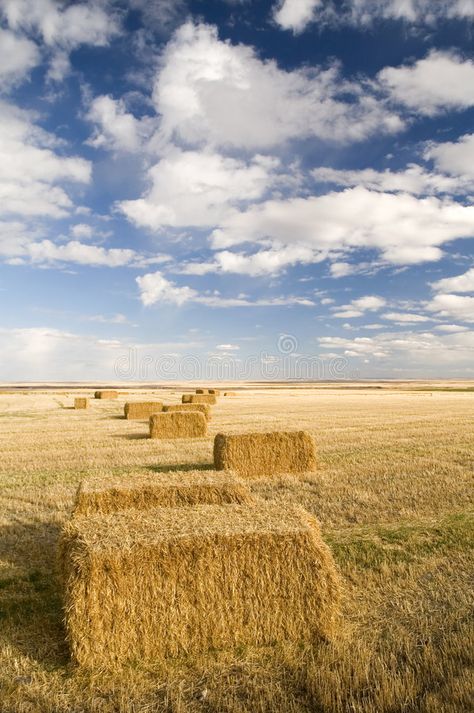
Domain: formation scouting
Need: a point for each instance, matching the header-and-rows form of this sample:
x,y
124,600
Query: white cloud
x,y
228,347
160,14
405,317
198,188
452,328
341,269
212,92
297,14
81,230
415,353
155,288
453,306
456,158
459,283
264,262
18,56
61,24
30,169
405,229
358,307
413,179
116,128
440,81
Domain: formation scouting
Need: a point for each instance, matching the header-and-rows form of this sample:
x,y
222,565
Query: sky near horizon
x,y
248,185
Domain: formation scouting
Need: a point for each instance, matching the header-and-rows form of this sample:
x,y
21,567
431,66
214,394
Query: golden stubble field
x,y
393,492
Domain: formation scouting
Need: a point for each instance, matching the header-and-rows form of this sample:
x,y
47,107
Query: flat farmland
x,y
393,492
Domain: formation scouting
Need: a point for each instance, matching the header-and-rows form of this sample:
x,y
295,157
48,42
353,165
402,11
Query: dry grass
x,y
393,492
256,455
106,395
110,493
141,409
202,408
178,424
81,403
144,585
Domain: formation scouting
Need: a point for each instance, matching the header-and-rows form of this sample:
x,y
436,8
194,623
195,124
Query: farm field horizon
x,y
392,492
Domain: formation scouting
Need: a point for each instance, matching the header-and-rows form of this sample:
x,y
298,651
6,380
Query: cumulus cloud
x,y
454,157
357,307
459,283
405,229
212,92
453,306
198,188
295,15
30,169
405,317
263,262
414,179
155,288
18,56
115,127
440,81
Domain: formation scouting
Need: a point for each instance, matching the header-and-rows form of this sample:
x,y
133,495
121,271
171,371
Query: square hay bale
x,y
264,454
144,491
203,408
106,395
178,424
141,586
81,403
203,399
216,392
202,391
230,393
141,409
186,398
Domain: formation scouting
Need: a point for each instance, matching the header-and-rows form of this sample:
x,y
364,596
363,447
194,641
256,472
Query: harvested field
x,y
188,580
80,403
256,455
141,409
106,395
143,491
178,424
202,408
393,493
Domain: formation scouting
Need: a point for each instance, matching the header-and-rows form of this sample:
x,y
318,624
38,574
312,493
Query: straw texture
x,y
81,403
265,454
141,409
178,424
202,408
106,395
144,585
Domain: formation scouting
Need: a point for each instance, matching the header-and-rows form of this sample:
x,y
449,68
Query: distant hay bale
x,y
216,392
142,491
142,409
203,408
141,586
202,399
178,424
81,403
186,398
230,393
202,391
106,395
264,454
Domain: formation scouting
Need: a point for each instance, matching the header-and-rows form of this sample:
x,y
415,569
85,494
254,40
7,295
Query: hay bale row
x,y
144,491
202,408
265,454
215,392
199,399
106,395
81,403
178,424
141,409
144,585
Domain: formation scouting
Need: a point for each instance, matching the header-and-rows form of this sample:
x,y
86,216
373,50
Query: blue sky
x,y
237,189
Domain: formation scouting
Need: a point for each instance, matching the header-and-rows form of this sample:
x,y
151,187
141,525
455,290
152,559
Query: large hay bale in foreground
x,y
81,403
202,399
143,491
106,395
178,424
264,454
202,408
144,585
142,409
